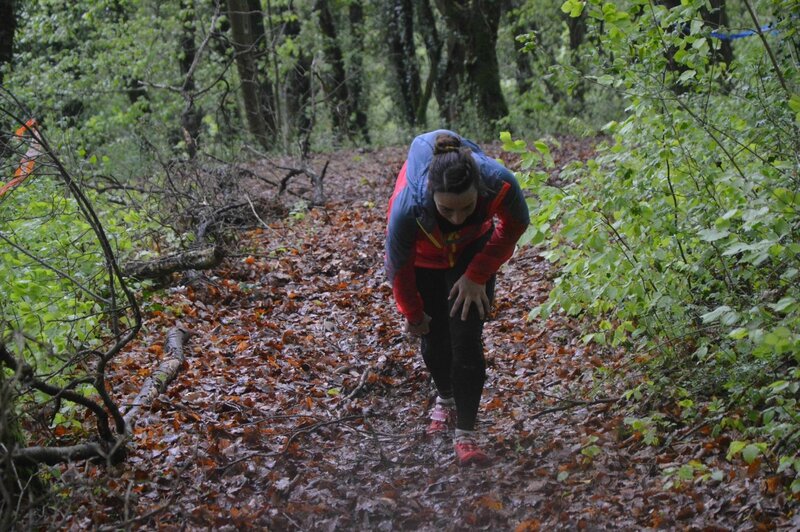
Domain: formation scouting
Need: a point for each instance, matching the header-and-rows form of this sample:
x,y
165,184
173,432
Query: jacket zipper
x,y
430,236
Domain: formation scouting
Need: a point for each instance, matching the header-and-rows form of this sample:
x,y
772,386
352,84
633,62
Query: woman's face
x,y
456,208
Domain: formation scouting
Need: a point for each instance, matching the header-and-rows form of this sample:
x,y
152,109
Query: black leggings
x,y
453,349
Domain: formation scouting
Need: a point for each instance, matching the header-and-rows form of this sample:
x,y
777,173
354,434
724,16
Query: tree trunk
x,y
191,116
358,118
433,45
519,26
577,33
248,35
472,71
7,29
335,83
16,480
717,18
298,94
399,18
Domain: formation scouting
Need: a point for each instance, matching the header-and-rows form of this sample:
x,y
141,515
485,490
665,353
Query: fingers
x,y
419,329
454,291
467,294
457,290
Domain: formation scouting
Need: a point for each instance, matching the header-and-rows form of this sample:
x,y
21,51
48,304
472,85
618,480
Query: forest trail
x,y
302,406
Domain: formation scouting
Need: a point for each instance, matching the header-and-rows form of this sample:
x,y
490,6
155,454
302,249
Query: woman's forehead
x,y
452,200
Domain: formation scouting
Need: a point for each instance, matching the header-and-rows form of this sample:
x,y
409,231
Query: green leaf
x,y
784,304
712,235
686,472
738,333
573,7
794,103
715,314
735,448
686,76
605,79
750,453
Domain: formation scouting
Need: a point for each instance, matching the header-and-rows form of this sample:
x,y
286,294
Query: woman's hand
x,y
421,328
466,293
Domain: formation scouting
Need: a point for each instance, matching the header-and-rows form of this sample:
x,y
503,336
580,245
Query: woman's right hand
x,y
421,328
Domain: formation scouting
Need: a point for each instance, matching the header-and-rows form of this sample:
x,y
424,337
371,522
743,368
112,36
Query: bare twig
x,y
311,428
574,404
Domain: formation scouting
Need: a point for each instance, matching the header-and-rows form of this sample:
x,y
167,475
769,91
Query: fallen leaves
x,y
302,405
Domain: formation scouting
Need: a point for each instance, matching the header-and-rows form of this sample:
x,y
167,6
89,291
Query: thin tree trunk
x,y
191,116
577,33
472,71
335,84
433,46
298,93
244,28
7,29
717,18
267,97
399,17
355,80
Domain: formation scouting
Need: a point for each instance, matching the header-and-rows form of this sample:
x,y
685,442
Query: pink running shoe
x,y
467,452
441,418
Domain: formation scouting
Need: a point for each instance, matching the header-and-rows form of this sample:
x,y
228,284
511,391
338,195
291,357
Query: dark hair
x,y
453,169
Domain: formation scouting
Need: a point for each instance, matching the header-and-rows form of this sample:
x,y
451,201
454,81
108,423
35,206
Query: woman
x,y
454,218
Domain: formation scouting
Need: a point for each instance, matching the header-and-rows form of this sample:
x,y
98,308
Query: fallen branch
x,y
316,180
315,426
111,450
165,373
362,380
29,456
198,259
573,404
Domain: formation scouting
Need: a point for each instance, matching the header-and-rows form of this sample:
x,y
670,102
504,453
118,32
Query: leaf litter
x,y
302,405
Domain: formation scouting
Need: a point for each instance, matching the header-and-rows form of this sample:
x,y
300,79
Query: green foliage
x,y
556,70
681,236
54,274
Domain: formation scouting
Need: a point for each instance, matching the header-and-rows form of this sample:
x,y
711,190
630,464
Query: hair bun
x,y
446,144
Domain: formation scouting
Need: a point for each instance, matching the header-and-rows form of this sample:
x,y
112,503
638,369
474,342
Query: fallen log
x,y
163,375
195,259
113,450
30,456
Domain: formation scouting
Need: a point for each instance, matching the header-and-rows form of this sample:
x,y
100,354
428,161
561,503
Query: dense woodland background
x,y
139,141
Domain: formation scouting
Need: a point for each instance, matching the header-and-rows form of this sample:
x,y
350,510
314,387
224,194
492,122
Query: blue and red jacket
x,y
414,238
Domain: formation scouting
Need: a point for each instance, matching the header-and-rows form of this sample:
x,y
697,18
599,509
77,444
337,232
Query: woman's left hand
x,y
466,293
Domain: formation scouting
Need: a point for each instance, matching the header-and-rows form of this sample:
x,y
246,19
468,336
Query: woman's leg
x,y
468,369
468,365
435,346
